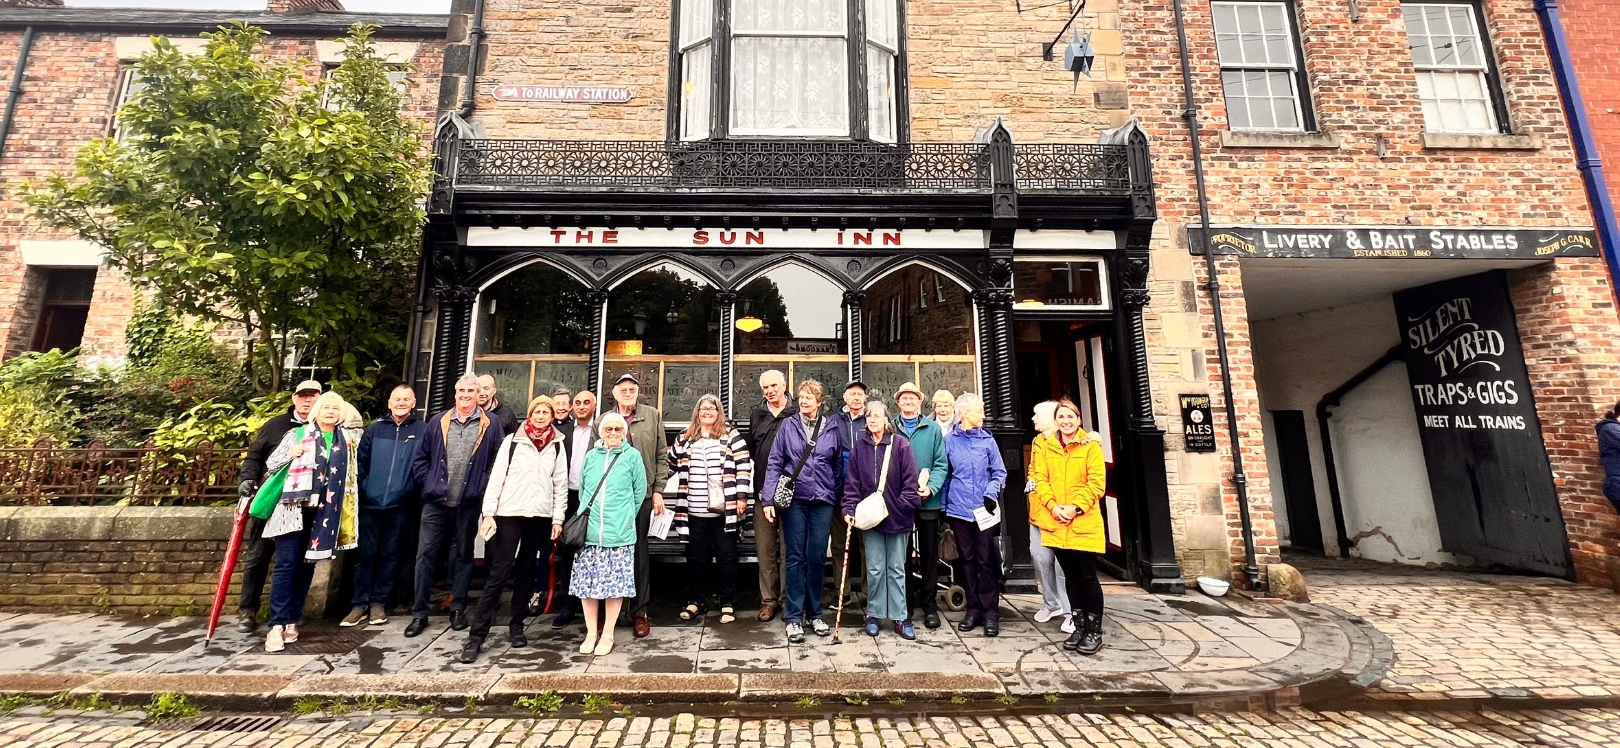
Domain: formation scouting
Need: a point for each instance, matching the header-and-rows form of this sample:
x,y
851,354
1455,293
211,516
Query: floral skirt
x,y
604,573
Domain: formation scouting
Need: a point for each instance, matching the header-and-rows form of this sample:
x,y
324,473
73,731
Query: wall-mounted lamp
x,y
750,324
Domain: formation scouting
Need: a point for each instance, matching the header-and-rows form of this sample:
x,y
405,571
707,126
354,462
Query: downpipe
x,y
1240,480
1580,130
16,89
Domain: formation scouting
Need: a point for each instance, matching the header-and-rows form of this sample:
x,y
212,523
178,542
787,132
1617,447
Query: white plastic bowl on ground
x,y
1213,587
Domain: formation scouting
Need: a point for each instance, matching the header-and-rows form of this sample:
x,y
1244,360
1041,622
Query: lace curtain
x,y
789,67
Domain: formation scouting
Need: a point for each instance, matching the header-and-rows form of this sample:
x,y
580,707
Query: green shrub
x,y
35,411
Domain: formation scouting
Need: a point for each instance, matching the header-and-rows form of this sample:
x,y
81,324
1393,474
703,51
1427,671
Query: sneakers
x,y
795,632
354,618
820,627
1068,625
469,653
246,621
872,627
274,641
905,630
1044,614
378,616
289,633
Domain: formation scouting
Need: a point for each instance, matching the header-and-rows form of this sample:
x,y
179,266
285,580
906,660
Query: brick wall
x,y
1594,43
69,96
138,560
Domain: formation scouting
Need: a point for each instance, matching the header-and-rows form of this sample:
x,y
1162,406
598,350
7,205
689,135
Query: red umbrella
x,y
226,567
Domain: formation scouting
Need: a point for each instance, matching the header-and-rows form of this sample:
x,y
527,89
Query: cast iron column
x,y
853,300
451,327
727,301
597,300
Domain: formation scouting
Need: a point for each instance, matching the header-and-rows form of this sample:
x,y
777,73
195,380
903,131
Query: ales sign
x,y
1197,424
1488,472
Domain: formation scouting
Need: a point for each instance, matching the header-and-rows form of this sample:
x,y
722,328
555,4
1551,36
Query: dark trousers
x,y
926,594
377,555
708,540
404,590
458,524
256,567
517,543
981,566
1080,572
643,560
555,573
290,586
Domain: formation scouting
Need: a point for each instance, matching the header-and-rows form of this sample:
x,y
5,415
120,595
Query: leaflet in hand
x,y
986,518
660,525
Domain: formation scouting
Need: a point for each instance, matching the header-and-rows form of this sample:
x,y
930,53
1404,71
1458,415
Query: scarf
x,y
330,483
540,437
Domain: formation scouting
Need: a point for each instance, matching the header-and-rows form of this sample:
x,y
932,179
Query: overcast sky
x,y
358,6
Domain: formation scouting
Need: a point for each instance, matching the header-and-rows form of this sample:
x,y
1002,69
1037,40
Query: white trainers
x,y
290,634
1068,625
274,640
1044,614
820,627
795,632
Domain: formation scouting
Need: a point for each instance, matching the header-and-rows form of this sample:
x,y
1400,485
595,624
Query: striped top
x,y
707,461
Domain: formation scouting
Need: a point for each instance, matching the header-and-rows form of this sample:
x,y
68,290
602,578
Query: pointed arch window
x,y
788,68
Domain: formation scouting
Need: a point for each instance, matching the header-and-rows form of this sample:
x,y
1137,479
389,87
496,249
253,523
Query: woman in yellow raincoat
x,y
1069,474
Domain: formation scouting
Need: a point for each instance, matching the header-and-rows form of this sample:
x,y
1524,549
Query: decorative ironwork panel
x,y
747,164
96,475
1073,167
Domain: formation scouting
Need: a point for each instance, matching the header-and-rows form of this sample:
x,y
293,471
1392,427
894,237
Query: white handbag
x,y
873,509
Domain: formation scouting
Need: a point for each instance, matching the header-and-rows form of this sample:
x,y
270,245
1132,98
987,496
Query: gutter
x,y
1240,480
16,89
1580,130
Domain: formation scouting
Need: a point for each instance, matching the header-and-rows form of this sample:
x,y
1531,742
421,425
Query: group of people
x,y
564,498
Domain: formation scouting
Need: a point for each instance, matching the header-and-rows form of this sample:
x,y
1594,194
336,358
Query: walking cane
x,y
843,576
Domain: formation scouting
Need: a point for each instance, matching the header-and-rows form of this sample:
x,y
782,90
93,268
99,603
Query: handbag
x,y
574,529
269,494
947,546
873,509
783,498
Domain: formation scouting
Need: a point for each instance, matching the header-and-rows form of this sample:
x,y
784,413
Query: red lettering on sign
x,y
557,235
610,237
728,237
891,238
588,236
863,237
700,237
754,237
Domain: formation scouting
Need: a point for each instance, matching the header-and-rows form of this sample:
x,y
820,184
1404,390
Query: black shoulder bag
x,y
783,498
574,529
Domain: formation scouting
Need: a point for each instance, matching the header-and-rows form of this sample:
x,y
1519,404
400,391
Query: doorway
x,y
1074,359
1299,488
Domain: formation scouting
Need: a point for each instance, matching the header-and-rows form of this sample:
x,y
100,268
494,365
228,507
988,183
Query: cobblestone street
x,y
1291,727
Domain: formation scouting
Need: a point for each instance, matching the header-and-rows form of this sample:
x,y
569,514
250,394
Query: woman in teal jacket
x,y
928,445
605,569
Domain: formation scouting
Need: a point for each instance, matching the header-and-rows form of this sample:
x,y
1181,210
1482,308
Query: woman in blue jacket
x,y
1608,433
804,447
977,477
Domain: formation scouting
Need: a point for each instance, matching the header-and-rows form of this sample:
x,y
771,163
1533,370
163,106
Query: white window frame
x,y
128,78
1294,66
1483,70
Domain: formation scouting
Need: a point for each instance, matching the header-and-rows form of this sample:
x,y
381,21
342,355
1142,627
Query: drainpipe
x,y
1332,400
1240,480
1580,130
16,88
475,39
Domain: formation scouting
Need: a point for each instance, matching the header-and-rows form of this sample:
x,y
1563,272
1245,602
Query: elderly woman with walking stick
x,y
880,498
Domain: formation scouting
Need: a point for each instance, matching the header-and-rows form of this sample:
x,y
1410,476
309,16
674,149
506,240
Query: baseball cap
x,y
626,377
308,385
856,383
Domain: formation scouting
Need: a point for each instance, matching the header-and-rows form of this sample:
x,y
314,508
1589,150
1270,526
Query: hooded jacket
x,y
762,428
529,482
928,447
387,449
899,491
1608,433
1068,474
614,507
818,480
977,472
431,468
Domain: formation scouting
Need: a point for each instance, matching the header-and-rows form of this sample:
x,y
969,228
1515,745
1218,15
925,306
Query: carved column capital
x,y
726,298
854,299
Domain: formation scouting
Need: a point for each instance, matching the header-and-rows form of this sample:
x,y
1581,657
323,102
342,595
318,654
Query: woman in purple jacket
x,y
882,461
805,453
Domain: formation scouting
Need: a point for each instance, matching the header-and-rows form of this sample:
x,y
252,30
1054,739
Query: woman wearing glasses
x,y
613,483
709,478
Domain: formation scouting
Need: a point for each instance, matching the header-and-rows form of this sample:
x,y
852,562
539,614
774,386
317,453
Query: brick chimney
x,y
297,6
31,3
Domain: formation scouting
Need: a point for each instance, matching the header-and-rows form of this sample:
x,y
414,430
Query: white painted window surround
x,y
60,253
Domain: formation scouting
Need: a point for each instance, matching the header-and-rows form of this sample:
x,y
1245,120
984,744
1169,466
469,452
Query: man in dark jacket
x,y
386,452
451,469
489,399
848,424
646,434
260,551
763,422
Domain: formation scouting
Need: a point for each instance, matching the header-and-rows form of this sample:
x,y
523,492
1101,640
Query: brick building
x,y
865,155
53,291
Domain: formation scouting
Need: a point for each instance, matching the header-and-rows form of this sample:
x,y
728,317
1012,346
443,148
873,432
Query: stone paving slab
x,y
779,687
232,691
34,683
683,687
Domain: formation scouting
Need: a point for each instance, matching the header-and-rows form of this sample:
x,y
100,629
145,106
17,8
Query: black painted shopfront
x,y
701,264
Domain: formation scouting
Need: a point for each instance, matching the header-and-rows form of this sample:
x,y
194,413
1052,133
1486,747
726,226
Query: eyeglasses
x,y
612,430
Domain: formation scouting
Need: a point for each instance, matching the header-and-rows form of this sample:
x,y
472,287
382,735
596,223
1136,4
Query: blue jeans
x,y
805,527
886,574
458,524
377,555
289,583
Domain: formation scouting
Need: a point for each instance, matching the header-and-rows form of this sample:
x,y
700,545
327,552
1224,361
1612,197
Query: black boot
x,y
1090,633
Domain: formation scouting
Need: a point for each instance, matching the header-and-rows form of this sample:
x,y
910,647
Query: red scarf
x,y
540,437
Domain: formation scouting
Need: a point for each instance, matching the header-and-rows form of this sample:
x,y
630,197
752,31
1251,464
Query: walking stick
x,y
843,576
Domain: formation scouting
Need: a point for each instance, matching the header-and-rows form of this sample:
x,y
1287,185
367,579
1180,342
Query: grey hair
x,y
612,417
772,374
877,408
468,378
969,403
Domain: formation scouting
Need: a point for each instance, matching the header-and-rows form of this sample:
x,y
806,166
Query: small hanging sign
x,y
586,94
1197,423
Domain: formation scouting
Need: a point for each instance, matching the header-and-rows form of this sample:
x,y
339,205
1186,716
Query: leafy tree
x,y
243,193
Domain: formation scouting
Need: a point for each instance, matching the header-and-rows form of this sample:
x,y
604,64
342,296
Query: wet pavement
x,y
1156,645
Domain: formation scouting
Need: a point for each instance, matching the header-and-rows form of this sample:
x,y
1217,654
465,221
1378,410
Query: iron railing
x,y
1072,167
97,476
773,164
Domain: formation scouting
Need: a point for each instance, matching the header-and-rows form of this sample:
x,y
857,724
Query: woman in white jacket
x,y
524,508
